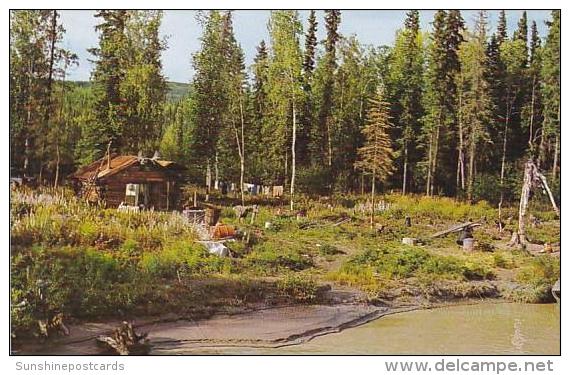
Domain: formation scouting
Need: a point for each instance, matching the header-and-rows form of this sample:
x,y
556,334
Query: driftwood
x,y
53,325
125,341
456,228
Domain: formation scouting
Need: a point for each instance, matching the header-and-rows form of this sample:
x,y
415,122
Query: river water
x,y
473,329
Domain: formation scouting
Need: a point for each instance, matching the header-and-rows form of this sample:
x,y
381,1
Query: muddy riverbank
x,y
261,329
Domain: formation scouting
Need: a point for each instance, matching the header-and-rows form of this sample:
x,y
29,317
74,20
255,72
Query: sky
x,y
375,27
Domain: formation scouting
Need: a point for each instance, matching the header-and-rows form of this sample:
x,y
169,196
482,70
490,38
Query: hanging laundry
x,y
278,191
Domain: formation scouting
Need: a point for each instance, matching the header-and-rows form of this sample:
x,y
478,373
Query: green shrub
x,y
398,261
503,260
354,275
268,258
297,288
544,269
184,258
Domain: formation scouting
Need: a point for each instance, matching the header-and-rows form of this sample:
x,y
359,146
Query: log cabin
x,y
126,180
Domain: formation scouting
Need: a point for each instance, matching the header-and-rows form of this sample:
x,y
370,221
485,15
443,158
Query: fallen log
x,y
456,228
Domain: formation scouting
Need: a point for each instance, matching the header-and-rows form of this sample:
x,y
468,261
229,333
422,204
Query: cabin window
x,y
137,194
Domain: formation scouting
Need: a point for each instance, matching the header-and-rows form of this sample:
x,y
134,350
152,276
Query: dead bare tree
x,y
532,178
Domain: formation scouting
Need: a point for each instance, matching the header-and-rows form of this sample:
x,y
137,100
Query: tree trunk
x,y
503,161
550,196
27,141
242,154
434,161
405,174
47,112
471,167
556,146
531,124
216,172
519,237
461,154
208,179
329,142
428,181
555,159
61,122
373,195
293,155
240,143
542,145
56,180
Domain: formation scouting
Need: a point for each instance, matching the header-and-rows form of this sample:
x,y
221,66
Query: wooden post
x,y
167,195
109,155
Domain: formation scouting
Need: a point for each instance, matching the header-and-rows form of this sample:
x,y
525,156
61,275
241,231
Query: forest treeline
x,y
453,111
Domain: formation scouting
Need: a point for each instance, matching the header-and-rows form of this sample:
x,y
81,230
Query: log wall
x,y
113,188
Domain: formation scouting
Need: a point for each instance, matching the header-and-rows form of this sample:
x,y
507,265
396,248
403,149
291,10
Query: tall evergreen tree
x,y
376,155
209,95
144,85
550,73
307,118
436,96
522,29
107,76
406,80
259,104
475,108
502,28
533,109
322,147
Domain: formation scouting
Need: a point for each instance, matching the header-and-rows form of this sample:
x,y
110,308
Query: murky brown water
x,y
475,329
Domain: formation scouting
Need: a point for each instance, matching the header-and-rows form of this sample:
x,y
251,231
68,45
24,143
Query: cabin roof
x,y
118,163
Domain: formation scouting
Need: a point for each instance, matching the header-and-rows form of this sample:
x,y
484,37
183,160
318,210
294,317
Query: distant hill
x,y
176,90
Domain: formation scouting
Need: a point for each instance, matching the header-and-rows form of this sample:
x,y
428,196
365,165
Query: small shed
x,y
132,181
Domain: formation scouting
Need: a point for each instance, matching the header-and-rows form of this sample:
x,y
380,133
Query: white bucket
x,y
469,244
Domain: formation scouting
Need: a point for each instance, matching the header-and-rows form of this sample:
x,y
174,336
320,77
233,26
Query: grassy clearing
x,y
89,262
378,267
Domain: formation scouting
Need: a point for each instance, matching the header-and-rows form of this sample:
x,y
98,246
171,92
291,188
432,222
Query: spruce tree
x,y
475,109
307,118
550,72
502,28
406,79
108,74
322,148
376,155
